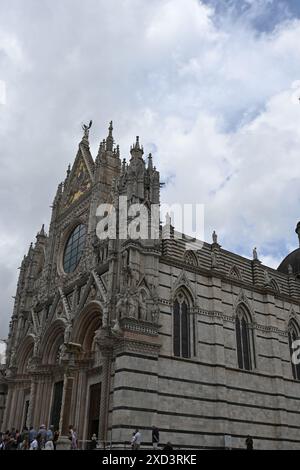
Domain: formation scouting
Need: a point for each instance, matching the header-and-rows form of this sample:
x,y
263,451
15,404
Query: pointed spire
x,y
136,150
58,194
150,162
110,139
42,233
123,169
30,250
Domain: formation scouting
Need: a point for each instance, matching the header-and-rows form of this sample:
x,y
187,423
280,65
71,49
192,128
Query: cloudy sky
x,y
210,87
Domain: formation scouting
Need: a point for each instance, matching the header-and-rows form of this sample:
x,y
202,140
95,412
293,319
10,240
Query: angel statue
x,y
86,129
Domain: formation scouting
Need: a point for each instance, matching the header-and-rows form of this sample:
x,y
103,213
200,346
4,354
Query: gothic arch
x,y
235,273
274,285
242,300
86,323
24,353
293,335
293,325
243,310
245,343
182,282
186,292
291,319
190,258
183,323
52,339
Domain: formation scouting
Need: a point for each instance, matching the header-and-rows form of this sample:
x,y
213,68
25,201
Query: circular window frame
x,y
63,244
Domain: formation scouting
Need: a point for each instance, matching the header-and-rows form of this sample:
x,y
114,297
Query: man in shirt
x,y
155,437
136,441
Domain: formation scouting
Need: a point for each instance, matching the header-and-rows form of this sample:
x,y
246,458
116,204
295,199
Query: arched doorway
x,y
89,378
53,389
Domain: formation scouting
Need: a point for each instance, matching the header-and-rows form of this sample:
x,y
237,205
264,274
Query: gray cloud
x,y
162,70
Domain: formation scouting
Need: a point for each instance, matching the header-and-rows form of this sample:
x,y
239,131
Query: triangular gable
x,y
81,177
183,281
242,299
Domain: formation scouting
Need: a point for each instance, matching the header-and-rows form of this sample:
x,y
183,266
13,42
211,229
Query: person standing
x,y
155,437
249,443
43,435
32,434
49,445
55,438
136,441
50,434
93,442
35,443
73,438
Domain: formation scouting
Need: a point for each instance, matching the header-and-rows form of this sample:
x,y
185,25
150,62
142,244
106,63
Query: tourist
x,y
43,435
17,440
93,442
32,434
73,438
50,434
49,445
55,438
155,437
24,444
1,440
36,443
136,441
24,436
249,443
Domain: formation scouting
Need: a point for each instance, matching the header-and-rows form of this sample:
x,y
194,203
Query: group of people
x,y
29,439
32,439
137,439
46,439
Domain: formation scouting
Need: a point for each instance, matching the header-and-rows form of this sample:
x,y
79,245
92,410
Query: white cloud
x,y
213,101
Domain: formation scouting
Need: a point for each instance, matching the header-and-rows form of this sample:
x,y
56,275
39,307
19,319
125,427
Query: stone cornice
x,y
210,273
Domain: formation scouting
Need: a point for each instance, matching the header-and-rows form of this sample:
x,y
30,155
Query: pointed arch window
x,y
293,335
181,326
244,340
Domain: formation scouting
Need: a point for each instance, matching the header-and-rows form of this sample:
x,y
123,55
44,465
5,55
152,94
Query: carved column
x,y
32,402
7,410
104,401
66,403
105,344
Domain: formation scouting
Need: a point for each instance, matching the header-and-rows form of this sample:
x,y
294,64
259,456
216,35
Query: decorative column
x,y
68,360
32,401
63,442
7,410
66,403
105,343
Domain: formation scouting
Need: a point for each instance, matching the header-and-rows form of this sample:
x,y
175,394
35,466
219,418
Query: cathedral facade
x,y
111,334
